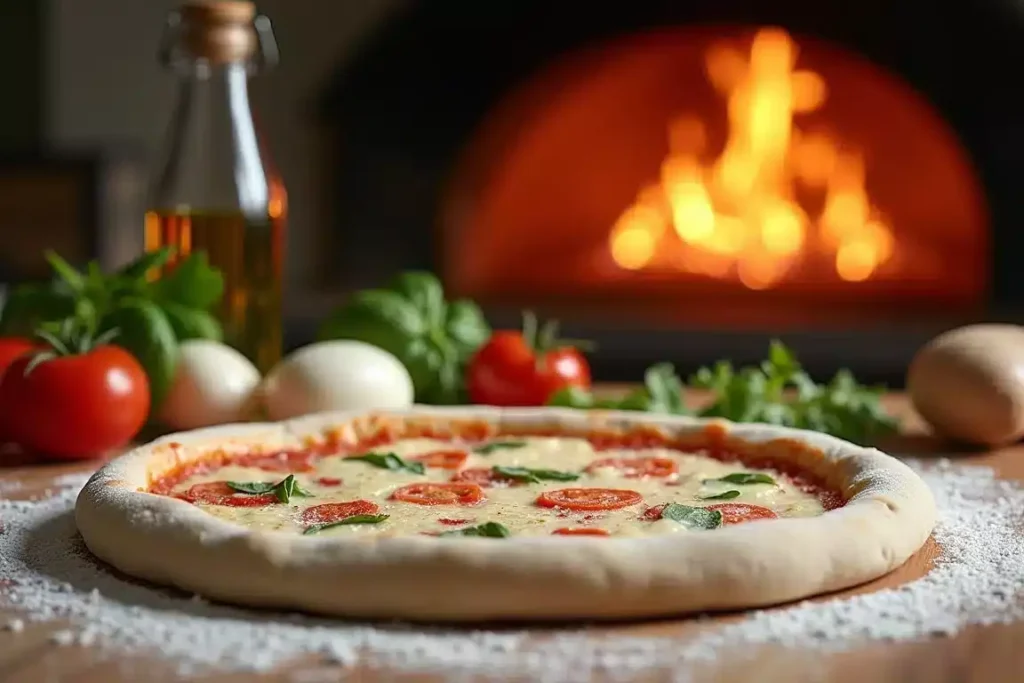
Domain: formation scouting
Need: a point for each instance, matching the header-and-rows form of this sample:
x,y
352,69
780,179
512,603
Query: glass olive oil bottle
x,y
215,190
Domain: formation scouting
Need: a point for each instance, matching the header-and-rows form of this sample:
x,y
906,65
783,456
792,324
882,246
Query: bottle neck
x,y
213,160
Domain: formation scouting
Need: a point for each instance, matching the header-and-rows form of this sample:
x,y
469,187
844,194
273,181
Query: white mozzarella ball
x,y
213,384
336,375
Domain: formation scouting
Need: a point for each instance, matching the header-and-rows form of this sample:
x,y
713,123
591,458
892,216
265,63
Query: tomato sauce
x,y
711,443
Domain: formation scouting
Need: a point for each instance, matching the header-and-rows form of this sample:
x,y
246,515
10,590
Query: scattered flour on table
x,y
47,574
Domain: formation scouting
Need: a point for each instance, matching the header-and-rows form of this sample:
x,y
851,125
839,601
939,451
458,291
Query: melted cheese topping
x,y
512,506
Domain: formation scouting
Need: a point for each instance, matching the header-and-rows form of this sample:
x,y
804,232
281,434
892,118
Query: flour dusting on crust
x,y
49,575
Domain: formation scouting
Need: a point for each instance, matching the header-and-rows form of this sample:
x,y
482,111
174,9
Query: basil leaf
x,y
144,331
692,517
191,323
665,389
354,519
389,461
534,476
489,448
485,530
425,292
146,262
726,495
251,487
466,326
192,283
743,478
28,305
572,397
288,488
65,271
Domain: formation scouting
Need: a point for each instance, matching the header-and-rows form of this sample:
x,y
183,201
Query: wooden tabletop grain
x,y
975,655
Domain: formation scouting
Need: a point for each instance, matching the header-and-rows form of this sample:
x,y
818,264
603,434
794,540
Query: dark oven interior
x,y
685,180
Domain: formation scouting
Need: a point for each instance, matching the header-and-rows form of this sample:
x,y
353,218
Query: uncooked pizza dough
x,y
478,514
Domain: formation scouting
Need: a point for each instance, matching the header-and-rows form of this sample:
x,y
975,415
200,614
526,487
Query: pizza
x,y
482,513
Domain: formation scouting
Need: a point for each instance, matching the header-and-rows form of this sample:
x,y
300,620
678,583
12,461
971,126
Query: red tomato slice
x,y
653,514
589,499
485,476
283,461
580,531
428,493
329,481
736,513
446,460
335,512
219,493
635,468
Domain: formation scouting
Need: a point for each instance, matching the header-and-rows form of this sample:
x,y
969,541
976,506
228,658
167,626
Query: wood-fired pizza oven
x,y
685,179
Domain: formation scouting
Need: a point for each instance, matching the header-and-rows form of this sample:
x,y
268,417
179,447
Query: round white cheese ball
x,y
336,375
213,384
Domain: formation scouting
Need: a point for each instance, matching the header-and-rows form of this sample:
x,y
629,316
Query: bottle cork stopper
x,y
218,11
220,31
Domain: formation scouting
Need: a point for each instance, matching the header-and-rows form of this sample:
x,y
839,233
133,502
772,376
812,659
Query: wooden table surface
x,y
976,654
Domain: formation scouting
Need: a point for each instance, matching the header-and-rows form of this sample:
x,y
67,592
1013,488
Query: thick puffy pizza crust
x,y
889,515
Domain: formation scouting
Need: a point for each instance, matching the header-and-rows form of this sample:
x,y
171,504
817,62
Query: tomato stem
x,y
70,337
542,338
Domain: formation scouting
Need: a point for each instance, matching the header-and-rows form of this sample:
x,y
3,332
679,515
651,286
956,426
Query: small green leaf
x,y
727,495
146,333
251,487
146,262
354,519
288,488
389,461
192,323
485,530
192,283
744,478
532,476
572,397
665,389
65,271
425,292
489,448
692,517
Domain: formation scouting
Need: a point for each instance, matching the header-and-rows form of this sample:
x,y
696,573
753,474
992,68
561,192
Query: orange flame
x,y
738,216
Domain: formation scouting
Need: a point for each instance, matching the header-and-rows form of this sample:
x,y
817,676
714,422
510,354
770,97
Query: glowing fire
x,y
738,216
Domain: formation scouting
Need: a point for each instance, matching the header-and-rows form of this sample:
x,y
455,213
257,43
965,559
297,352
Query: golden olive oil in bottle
x,y
215,190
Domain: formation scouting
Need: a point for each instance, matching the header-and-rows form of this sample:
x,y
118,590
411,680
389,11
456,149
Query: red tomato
x,y
329,481
525,368
447,460
589,499
485,476
439,494
735,513
219,493
335,512
75,406
635,468
11,348
580,531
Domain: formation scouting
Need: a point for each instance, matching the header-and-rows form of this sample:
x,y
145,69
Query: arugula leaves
x,y
354,519
390,461
662,392
489,448
692,517
842,407
725,495
485,530
744,478
284,490
532,476
777,391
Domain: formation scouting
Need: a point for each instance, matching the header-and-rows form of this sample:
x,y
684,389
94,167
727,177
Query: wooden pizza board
x,y
977,654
